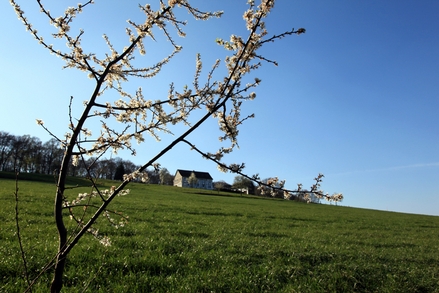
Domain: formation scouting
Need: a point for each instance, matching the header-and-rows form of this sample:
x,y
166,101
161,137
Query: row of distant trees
x,y
29,154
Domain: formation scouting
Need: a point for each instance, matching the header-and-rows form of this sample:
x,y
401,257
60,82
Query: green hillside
x,y
187,240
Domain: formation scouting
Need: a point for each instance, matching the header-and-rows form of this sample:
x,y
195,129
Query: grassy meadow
x,y
188,240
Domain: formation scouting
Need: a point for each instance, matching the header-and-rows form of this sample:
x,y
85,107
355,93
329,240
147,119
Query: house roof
x,y
199,175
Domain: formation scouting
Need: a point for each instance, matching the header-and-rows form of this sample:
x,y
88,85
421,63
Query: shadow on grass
x,y
212,213
229,194
76,181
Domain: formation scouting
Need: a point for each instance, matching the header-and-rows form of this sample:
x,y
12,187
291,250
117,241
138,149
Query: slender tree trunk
x,y
57,281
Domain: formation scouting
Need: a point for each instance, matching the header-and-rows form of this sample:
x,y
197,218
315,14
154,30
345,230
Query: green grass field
x,y
186,240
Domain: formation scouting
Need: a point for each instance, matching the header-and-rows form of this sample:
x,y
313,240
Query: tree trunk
x,y
60,262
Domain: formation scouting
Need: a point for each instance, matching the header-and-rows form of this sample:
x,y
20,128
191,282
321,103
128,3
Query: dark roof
x,y
199,175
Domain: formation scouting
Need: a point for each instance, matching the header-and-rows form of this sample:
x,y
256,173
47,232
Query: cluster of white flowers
x,y
307,197
276,188
78,200
104,194
116,224
273,186
104,240
222,168
62,25
143,176
287,195
336,197
316,186
75,160
318,195
236,167
172,3
217,156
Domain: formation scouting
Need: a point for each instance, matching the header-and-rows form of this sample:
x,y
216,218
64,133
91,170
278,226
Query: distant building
x,y
222,186
204,180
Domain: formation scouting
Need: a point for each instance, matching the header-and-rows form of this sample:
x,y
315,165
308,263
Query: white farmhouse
x,y
204,180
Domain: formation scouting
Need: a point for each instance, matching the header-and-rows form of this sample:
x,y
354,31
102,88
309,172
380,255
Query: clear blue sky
x,y
355,98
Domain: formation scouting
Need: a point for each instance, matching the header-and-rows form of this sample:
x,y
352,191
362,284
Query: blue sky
x,y
355,98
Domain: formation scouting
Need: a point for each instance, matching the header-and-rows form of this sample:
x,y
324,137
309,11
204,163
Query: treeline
x,y
30,155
